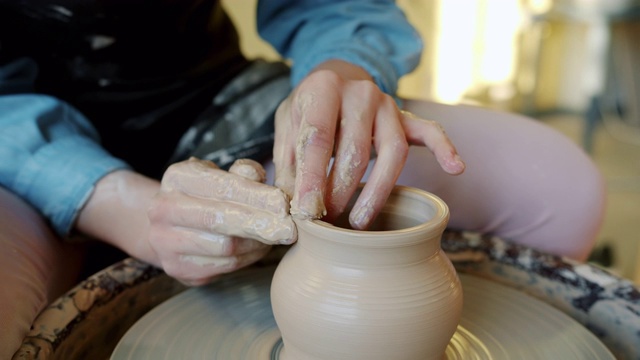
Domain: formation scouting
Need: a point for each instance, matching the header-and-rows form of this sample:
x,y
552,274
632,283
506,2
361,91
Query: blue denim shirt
x,y
51,154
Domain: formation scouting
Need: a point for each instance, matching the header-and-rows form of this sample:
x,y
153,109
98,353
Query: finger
x,y
190,241
353,146
195,270
284,158
318,112
200,179
227,218
432,135
249,169
392,149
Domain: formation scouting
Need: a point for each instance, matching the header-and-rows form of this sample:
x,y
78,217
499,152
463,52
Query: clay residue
x,y
306,102
345,169
304,139
311,206
271,229
237,220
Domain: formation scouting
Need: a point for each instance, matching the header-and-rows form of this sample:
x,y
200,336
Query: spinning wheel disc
x,y
232,319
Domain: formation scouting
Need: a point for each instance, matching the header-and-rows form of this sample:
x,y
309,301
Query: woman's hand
x,y
199,222
339,111
206,221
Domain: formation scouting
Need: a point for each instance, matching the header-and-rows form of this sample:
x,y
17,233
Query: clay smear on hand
x,y
311,205
241,207
265,225
345,169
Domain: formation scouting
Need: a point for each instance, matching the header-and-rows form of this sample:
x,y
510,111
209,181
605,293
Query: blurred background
x,y
572,64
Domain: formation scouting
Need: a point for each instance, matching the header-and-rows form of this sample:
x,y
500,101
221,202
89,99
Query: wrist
x,y
116,213
345,69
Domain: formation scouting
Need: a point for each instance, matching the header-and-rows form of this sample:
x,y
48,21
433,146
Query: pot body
x,y
386,293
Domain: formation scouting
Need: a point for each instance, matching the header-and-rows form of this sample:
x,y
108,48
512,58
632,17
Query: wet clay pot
x,y
386,293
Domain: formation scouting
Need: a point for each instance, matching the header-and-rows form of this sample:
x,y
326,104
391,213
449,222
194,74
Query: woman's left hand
x,y
338,110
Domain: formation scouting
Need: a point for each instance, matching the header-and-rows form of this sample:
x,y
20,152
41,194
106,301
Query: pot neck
x,y
369,248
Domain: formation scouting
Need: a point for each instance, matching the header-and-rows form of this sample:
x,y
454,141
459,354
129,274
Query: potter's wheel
x,y
232,319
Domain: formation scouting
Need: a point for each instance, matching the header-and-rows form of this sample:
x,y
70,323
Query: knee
x,y
35,267
580,209
568,194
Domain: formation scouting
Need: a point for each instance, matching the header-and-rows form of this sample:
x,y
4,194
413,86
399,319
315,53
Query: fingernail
x,y
290,235
286,232
311,206
360,217
459,162
249,169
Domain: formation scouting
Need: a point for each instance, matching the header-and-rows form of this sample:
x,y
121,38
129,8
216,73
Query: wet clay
x,y
385,293
222,202
345,169
311,204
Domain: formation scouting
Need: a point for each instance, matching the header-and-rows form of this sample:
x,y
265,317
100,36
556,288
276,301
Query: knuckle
x,y
248,169
316,137
368,90
176,269
170,177
212,219
156,209
283,111
229,246
387,99
399,146
322,77
435,125
355,155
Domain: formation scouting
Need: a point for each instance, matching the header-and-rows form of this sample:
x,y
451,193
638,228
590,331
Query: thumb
x,y
249,169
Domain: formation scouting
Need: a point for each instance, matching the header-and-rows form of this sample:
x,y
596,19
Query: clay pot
x,y
386,293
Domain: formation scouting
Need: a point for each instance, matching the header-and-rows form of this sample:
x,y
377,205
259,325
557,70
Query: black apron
x,y
144,72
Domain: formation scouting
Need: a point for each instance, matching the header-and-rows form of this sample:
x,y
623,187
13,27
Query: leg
x,y
524,181
35,268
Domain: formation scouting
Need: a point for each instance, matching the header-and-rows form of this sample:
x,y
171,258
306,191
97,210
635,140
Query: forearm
x,y
116,213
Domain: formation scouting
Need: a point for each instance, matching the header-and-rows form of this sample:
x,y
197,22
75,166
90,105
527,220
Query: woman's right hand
x,y
205,221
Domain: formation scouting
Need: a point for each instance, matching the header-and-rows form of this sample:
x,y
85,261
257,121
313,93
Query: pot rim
x,y
410,235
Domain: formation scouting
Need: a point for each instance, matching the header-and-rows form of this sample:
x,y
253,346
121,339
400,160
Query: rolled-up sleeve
x,y
50,154
374,35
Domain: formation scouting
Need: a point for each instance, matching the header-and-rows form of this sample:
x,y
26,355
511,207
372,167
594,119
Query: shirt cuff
x,y
380,70
59,178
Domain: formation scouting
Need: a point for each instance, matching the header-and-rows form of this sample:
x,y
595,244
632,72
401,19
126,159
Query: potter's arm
x,y
52,158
